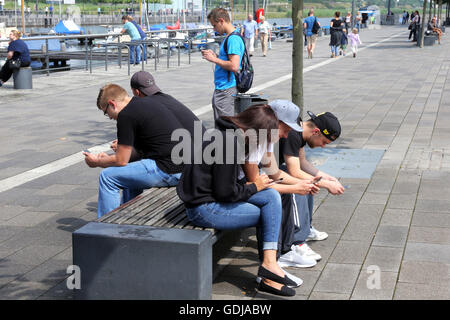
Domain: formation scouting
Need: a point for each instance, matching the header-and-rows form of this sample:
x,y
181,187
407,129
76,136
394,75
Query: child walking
x,y
355,41
344,42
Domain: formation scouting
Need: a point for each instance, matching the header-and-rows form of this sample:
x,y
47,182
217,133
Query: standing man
x,y
250,33
142,34
297,228
264,34
227,63
132,31
146,126
310,36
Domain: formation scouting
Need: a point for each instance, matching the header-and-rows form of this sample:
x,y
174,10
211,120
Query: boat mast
x,y
23,18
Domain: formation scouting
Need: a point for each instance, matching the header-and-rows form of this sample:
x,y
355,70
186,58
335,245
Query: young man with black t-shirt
x,y
319,131
145,125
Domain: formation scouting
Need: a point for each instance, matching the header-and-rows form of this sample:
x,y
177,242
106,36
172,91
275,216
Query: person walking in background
x,y
344,42
355,41
132,31
264,34
250,33
311,36
336,27
348,21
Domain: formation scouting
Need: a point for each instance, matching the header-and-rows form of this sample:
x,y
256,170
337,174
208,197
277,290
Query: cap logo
x,y
150,82
325,131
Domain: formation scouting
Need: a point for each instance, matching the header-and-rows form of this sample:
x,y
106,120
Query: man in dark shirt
x,y
145,125
319,131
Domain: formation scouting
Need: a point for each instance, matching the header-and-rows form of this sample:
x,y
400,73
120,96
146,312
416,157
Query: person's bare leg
x,y
270,263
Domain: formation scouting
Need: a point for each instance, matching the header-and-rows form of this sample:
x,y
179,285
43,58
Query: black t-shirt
x,y
291,145
147,125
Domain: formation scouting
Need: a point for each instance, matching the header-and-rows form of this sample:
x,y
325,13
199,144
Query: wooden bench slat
x,y
153,214
130,205
129,215
160,220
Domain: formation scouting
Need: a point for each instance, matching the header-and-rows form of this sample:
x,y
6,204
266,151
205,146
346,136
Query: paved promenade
x,y
393,97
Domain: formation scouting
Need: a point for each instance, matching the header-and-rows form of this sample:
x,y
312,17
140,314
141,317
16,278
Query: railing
x,y
89,49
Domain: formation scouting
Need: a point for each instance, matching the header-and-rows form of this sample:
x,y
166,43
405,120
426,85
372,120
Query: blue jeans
x,y
358,26
334,49
132,179
262,210
135,53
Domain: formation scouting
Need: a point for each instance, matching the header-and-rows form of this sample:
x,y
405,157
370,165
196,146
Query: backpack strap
x,y
225,47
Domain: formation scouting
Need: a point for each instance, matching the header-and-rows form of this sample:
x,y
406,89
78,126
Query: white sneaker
x,y
297,280
305,251
316,235
294,259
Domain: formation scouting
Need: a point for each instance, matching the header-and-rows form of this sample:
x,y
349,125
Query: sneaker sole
x,y
293,264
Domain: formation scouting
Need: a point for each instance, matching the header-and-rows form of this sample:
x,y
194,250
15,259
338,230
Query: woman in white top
x,y
264,34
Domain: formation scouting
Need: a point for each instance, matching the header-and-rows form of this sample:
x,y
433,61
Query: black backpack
x,y
315,28
244,77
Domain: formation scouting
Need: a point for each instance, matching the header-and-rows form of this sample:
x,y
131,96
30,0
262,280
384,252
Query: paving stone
x,y
35,255
396,217
338,278
386,258
352,252
424,272
419,291
369,288
29,219
429,235
401,201
430,219
427,252
391,236
329,296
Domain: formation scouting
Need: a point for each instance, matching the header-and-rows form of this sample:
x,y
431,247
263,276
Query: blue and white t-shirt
x,y
235,46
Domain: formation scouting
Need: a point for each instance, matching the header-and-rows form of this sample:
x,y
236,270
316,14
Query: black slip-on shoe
x,y
264,273
285,291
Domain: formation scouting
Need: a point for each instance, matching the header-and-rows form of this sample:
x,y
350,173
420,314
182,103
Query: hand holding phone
x,y
276,181
317,180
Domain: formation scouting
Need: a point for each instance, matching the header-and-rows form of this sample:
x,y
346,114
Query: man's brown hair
x,y
110,91
218,13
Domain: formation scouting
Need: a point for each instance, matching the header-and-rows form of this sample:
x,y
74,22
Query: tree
x,y
297,54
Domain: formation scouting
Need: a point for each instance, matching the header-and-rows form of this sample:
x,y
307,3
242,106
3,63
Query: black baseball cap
x,y
144,81
327,123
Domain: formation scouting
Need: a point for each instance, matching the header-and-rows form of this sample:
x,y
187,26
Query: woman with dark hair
x,y
18,54
216,198
336,27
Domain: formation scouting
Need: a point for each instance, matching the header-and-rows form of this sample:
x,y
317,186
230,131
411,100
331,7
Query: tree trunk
x,y
297,54
422,31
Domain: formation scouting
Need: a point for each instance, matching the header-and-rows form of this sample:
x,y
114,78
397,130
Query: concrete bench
x,y
145,249
23,78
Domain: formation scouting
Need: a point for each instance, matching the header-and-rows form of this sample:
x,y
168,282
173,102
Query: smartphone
x,y
347,186
86,150
276,181
317,181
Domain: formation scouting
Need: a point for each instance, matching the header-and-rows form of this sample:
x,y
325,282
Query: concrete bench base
x,y
23,78
429,40
142,262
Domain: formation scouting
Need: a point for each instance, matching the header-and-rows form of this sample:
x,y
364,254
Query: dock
x,y
392,101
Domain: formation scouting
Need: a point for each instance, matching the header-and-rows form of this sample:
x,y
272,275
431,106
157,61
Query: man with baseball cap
x,y
144,125
318,131
143,84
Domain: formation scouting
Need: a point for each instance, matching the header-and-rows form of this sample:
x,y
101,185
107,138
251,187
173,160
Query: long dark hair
x,y
257,117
